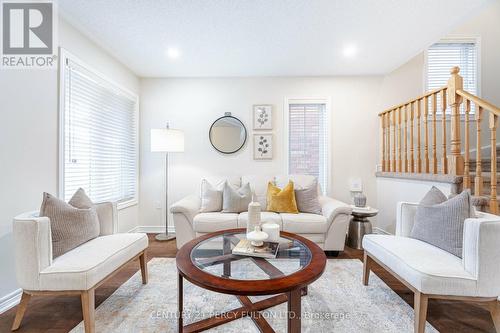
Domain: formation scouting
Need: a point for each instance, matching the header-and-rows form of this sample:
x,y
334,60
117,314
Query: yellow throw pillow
x,y
281,200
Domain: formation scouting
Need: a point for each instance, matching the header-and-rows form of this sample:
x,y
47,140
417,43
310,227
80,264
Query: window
x,y
98,122
307,139
442,56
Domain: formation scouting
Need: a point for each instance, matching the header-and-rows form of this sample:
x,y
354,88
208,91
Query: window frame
x,y
65,55
286,115
454,40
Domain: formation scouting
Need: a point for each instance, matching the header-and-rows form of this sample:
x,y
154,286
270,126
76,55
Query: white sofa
x,y
77,272
434,273
328,230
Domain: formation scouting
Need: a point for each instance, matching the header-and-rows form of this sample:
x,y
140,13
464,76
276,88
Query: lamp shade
x,y
167,140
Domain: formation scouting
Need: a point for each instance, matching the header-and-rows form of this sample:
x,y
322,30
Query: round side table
x,y
359,226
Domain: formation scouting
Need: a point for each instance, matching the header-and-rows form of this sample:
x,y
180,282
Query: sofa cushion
x,y
70,226
426,267
85,266
258,183
304,223
216,221
265,217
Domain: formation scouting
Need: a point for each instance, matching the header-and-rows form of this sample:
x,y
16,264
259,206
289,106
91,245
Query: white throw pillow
x,y
236,200
211,197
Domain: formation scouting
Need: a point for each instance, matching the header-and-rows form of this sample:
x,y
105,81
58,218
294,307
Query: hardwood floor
x,y
61,314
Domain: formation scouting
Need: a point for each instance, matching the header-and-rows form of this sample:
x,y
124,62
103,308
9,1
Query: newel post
x,y
455,160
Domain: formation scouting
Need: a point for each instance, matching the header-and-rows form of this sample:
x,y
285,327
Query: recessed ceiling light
x,y
350,51
173,53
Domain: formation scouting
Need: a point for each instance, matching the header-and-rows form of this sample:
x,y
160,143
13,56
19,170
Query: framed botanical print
x,y
262,146
262,117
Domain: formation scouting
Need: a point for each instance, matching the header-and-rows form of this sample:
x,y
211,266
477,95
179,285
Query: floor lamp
x,y
166,140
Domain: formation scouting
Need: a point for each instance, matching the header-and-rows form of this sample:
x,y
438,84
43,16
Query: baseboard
x,y
152,229
10,300
379,231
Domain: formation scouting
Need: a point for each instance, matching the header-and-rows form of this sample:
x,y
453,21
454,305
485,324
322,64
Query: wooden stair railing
x,y
403,150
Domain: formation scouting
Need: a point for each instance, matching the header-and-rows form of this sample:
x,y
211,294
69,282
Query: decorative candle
x,y
253,216
273,231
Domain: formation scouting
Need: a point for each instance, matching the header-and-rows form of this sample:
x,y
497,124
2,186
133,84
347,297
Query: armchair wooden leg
x,y
420,306
367,261
88,309
495,314
144,267
21,309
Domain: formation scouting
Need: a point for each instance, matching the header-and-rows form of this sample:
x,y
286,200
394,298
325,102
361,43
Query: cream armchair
x,y
77,272
434,273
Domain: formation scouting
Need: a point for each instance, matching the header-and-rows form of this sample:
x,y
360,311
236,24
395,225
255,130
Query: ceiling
x,y
220,38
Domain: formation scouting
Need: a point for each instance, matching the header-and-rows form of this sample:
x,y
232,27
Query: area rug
x,y
337,302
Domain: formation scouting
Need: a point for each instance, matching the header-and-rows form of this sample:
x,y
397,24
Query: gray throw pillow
x,y
307,199
236,200
433,197
70,226
81,200
442,224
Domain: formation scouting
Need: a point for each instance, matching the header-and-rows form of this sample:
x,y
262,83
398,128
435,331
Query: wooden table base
x,y
248,309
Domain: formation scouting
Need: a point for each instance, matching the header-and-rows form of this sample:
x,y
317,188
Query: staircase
x,y
482,200
423,137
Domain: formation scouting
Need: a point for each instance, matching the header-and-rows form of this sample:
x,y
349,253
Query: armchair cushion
x,y
88,264
70,226
426,267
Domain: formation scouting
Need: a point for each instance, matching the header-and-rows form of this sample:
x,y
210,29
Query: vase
x,y
253,216
360,200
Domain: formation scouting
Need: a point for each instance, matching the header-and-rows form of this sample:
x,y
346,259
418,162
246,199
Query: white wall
x,y
407,81
29,136
193,104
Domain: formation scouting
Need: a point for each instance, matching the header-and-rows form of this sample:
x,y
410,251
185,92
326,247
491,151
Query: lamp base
x,y
164,237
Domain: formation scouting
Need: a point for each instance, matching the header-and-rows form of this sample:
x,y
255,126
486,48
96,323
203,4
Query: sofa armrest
x,y
338,215
32,248
331,208
480,249
188,206
405,216
106,212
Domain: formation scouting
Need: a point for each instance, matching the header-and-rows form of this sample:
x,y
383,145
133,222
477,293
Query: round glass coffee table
x,y
207,262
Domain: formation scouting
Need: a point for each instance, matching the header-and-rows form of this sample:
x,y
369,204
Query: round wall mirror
x,y
228,134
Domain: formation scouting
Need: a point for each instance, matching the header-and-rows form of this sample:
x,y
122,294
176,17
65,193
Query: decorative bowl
x,y
257,237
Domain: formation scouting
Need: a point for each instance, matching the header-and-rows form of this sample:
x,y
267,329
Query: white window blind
x,y
442,56
100,137
307,141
